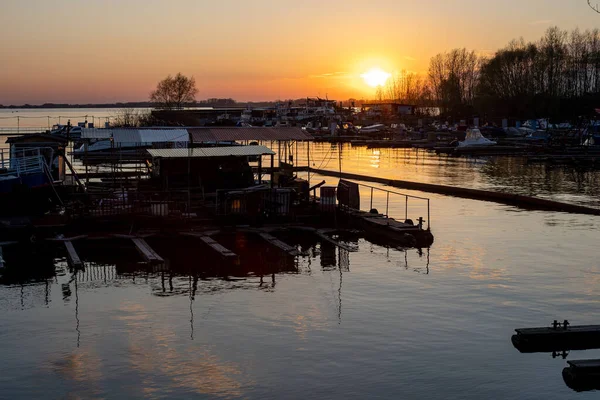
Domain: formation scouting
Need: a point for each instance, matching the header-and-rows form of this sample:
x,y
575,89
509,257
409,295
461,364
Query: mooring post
x,y
387,205
370,208
428,216
308,161
406,208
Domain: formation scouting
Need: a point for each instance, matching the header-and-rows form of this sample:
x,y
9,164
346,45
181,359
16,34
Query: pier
x,y
517,200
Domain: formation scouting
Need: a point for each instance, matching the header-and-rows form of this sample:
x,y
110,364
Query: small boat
x,y
372,128
474,138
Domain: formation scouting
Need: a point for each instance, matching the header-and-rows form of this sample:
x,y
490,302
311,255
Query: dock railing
x,y
23,161
373,190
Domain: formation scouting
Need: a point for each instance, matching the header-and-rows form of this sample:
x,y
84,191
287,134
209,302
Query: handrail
x,y
406,196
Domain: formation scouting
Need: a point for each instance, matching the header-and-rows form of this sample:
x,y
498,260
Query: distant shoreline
x,y
52,105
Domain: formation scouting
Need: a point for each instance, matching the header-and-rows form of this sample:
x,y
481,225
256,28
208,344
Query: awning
x,y
212,152
200,135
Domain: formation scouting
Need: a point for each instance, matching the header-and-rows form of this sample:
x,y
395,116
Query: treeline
x,y
557,76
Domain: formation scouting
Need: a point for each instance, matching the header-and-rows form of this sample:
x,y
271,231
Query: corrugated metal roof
x,y
96,133
258,133
126,136
164,135
208,152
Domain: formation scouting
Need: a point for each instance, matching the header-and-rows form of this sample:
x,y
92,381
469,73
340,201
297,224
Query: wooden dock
x,y
147,252
560,338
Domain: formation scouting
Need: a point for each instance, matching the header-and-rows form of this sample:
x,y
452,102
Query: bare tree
x,y
594,7
132,118
174,92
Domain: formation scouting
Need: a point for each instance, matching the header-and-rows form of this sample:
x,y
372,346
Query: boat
x,y
27,177
372,128
474,138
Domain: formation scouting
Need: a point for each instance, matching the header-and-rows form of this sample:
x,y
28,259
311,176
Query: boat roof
x,y
249,133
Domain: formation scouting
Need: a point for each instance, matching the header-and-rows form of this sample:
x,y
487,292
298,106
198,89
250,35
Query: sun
x,y
375,77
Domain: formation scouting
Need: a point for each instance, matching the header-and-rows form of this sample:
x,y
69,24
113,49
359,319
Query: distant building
x,y
388,109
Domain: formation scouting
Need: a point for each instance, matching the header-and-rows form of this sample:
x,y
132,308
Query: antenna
x,y
594,7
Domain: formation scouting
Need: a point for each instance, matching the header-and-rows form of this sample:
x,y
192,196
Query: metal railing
x,y
406,198
23,161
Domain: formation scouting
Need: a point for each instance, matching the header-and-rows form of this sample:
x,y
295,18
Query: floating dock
x,y
582,375
517,200
382,227
557,338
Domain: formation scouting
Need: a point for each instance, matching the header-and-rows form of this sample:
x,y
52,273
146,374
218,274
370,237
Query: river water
x,y
376,323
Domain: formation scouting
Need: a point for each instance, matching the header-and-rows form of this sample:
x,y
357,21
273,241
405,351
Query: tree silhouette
x,y
174,92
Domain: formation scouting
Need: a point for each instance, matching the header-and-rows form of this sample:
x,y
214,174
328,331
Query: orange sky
x,y
110,50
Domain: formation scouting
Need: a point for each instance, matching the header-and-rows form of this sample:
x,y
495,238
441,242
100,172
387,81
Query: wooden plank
x,y
64,239
225,252
291,250
72,256
146,251
329,239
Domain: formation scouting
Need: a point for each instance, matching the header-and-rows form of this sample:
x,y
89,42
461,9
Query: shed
x,y
210,168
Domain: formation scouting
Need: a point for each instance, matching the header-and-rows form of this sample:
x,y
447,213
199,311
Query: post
x,y
272,169
406,209
308,160
387,205
259,170
370,208
428,216
87,175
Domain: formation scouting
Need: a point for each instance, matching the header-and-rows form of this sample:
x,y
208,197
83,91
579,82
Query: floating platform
x,y
582,375
559,338
401,233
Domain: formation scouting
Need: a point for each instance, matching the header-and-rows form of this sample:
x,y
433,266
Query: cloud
x,y
541,22
331,75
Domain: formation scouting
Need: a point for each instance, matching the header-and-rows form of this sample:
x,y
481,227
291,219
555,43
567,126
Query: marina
x,y
217,200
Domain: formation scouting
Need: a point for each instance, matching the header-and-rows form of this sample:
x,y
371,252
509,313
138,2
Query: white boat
x,y
372,128
474,138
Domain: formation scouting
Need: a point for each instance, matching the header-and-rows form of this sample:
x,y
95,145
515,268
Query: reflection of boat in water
x,y
474,138
582,375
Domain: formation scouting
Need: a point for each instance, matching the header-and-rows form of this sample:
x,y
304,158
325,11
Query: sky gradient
x,y
97,51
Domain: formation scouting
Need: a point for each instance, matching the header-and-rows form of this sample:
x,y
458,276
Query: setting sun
x,y
375,77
